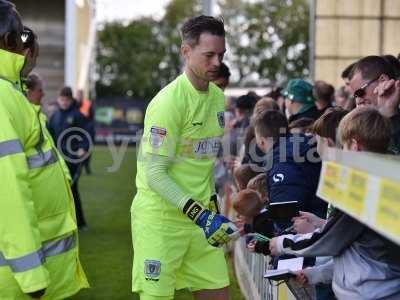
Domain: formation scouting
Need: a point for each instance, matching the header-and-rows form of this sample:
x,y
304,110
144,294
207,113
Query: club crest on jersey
x,y
152,269
157,136
221,119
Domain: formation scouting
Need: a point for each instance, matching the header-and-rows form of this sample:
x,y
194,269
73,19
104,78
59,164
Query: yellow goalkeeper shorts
x,y
169,258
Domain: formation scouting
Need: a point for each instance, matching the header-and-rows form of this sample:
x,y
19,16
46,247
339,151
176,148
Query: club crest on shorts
x,y
157,136
152,269
221,118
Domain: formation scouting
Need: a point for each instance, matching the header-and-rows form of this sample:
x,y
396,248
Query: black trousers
x,y
75,170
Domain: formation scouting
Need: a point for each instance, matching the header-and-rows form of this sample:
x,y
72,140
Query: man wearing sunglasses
x,y
38,233
373,82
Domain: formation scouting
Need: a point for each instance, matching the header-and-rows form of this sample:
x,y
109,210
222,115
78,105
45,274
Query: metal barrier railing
x,y
250,269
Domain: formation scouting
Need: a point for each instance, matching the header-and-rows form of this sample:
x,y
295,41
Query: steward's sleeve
x,y
20,241
337,235
46,131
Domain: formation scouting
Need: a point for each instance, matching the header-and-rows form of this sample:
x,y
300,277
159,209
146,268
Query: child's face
x,y
322,143
64,102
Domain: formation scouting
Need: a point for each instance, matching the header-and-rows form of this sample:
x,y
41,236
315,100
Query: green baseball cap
x,y
299,90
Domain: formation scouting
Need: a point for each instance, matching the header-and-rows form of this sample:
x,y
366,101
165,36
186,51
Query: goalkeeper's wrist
x,y
193,210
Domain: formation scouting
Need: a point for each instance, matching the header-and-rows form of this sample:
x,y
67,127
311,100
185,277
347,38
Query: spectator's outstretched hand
x,y
252,246
388,97
240,221
311,218
301,278
302,225
273,247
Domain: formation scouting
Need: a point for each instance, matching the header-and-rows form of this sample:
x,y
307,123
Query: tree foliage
x,y
128,59
268,39
267,42
140,58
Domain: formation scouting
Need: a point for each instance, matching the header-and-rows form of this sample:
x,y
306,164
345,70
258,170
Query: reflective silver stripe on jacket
x,y
37,258
42,159
10,147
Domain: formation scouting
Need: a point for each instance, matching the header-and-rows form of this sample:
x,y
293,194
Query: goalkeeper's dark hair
x,y
194,27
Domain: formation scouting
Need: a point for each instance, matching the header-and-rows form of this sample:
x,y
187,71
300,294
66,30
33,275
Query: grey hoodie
x,y
366,266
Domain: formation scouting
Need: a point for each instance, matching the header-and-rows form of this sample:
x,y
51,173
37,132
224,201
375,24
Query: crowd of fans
x,y
272,154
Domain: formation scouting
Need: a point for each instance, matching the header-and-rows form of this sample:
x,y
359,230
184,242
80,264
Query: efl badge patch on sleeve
x,y
221,119
157,136
152,269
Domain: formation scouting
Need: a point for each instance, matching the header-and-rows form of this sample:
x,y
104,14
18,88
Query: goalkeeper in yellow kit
x,y
176,228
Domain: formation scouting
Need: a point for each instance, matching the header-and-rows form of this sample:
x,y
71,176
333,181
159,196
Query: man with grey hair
x,y
38,233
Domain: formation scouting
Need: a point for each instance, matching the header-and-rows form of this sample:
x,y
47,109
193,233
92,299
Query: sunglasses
x,y
28,38
360,92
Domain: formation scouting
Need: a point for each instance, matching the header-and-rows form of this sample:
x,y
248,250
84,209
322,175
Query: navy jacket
x,y
69,126
293,170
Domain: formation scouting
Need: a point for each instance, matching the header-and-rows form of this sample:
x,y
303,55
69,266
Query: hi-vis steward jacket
x,y
38,233
43,124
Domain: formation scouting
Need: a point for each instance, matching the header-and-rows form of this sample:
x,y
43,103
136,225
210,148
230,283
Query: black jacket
x,y
312,113
69,127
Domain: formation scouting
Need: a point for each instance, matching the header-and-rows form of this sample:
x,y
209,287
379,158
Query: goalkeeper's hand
x,y
217,229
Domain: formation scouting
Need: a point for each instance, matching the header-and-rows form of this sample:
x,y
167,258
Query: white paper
x,y
270,273
292,264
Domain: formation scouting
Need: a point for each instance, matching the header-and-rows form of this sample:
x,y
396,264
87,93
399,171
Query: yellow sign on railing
x,y
356,191
388,211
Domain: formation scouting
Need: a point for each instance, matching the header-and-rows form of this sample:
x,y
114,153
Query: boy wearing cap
x,y
300,102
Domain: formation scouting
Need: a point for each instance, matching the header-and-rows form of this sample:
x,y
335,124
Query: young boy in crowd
x,y
243,174
292,171
259,184
292,165
325,130
248,204
365,265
